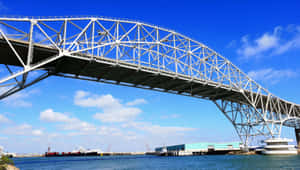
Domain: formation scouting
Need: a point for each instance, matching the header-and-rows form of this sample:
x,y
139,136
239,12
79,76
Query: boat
x,y
163,152
93,152
77,152
279,146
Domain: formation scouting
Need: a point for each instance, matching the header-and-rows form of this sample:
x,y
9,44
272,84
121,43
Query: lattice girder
x,y
139,55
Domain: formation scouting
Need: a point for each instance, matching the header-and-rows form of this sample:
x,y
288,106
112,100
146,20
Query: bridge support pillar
x,y
297,134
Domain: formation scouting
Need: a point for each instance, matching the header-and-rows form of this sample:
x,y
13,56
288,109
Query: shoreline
x,y
133,154
104,154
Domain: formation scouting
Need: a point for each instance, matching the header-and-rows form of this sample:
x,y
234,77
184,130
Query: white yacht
x,y
279,146
163,152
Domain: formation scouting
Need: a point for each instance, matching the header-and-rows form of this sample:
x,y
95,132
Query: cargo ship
x,y
80,152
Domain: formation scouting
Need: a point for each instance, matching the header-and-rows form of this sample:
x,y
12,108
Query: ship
x,y
279,146
77,152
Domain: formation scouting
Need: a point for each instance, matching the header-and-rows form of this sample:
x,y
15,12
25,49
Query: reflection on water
x,y
154,162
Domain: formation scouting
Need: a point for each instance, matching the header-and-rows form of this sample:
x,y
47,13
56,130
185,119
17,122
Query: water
x,y
155,162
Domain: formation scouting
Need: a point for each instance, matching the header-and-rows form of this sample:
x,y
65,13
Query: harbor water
x,y
156,162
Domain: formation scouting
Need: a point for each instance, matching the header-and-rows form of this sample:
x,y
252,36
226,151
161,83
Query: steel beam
x,y
170,61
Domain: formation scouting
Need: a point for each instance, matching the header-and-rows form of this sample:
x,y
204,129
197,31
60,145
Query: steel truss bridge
x,y
138,55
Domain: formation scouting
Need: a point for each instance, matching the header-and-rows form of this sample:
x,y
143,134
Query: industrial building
x,y
200,148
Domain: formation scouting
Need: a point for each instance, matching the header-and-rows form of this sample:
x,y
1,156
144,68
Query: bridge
x,y
140,55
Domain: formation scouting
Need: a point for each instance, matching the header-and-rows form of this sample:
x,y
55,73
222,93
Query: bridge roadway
x,y
138,55
108,70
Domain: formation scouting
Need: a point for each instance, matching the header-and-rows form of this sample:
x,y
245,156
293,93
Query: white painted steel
x,y
150,49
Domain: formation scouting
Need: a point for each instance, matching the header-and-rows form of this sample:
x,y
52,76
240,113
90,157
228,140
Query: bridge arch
x,y
139,55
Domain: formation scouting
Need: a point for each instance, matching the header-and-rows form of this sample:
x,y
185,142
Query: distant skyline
x,y
261,38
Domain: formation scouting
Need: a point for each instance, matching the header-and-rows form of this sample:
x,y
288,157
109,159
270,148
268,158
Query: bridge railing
x,y
142,45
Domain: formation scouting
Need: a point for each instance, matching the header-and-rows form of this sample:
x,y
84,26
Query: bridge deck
x,y
107,69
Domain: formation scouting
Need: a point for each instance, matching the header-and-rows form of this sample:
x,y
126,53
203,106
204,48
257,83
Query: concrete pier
x,y
297,134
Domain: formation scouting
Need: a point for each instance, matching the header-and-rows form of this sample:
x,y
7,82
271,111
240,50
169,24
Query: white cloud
x,y
97,130
20,99
157,129
264,43
280,41
68,123
23,129
271,75
4,119
107,130
171,116
123,132
136,102
37,132
113,110
79,125
19,129
120,114
292,44
86,99
139,132
49,115
3,138
53,135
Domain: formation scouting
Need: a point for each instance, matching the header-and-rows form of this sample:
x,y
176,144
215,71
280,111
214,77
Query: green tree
x,y
6,160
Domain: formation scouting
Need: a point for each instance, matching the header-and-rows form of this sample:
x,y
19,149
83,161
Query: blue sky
x,y
261,38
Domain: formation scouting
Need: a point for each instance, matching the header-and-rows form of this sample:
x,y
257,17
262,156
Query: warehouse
x,y
201,148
